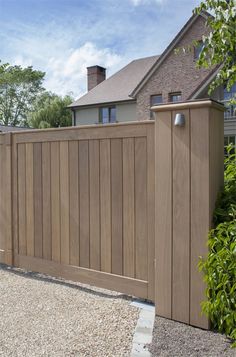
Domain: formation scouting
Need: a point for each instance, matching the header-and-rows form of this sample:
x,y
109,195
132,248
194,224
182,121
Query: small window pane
x,y
156,99
105,115
198,50
232,140
225,140
176,97
113,115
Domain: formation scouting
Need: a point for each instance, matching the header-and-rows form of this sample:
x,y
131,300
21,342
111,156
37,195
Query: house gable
x,y
177,72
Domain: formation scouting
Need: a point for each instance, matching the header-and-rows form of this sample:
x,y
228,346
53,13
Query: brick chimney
x,y
95,75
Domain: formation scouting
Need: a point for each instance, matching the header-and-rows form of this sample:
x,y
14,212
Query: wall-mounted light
x,y
179,119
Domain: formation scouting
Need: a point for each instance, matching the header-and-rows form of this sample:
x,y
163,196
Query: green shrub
x,y
219,267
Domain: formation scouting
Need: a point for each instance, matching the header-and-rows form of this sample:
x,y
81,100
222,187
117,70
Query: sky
x,y
63,37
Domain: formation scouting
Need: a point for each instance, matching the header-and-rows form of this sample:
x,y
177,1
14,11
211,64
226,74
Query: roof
x,y
119,86
9,128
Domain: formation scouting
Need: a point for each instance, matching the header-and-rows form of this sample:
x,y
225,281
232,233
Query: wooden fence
x,y
122,206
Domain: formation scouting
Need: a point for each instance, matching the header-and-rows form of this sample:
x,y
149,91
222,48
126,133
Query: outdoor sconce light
x,y
179,119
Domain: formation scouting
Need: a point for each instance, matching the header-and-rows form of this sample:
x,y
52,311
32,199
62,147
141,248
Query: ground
x,y
174,339
41,316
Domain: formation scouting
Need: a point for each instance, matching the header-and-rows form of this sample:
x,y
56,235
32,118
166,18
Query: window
x,y
229,139
175,97
198,49
230,112
155,100
107,115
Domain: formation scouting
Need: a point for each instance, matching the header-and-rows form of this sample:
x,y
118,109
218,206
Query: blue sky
x,y
63,37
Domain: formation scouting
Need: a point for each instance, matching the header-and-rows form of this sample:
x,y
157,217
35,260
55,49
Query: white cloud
x,y
68,72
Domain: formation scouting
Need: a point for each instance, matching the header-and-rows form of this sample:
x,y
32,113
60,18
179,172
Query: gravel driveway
x,y
173,339
41,316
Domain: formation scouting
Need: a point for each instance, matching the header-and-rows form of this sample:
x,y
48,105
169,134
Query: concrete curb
x,y
144,329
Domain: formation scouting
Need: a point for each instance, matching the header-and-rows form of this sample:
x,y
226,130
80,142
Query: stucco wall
x,y
87,116
177,73
124,112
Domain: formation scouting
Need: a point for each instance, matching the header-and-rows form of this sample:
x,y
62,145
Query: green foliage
x,y
19,87
219,268
50,111
220,45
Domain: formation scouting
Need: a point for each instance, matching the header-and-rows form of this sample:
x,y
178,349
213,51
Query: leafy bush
x,y
219,268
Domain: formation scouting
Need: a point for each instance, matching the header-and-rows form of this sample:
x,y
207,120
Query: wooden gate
x,y
83,205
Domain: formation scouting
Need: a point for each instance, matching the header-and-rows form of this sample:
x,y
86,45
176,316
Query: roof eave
x,y
101,104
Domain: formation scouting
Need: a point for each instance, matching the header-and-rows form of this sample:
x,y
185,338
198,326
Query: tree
x,y
50,111
219,47
19,88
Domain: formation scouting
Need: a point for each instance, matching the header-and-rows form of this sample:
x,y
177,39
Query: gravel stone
x,y
43,316
174,339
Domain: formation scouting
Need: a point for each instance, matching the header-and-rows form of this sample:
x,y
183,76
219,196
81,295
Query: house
x,y
129,94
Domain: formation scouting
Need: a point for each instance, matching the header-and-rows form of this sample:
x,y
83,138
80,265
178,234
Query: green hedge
x,y
219,267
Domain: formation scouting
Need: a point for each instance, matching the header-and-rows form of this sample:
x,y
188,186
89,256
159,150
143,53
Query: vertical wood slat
x,y
38,207
141,208
105,192
55,202
94,173
128,208
163,212
15,217
22,199
200,220
2,212
46,187
74,201
181,219
30,199
7,186
116,206
84,203
151,211
64,202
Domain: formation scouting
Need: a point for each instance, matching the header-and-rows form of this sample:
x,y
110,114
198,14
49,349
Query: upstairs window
x,y
230,112
175,97
198,49
107,115
155,100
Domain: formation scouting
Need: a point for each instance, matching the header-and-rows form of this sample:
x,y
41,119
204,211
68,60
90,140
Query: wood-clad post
x,y
188,176
8,200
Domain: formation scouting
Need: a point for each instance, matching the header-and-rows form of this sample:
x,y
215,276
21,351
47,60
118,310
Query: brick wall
x,y
177,73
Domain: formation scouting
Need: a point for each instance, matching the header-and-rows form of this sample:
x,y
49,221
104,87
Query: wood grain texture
x,y
163,214
84,203
141,249
99,132
46,186
55,202
116,206
22,199
104,280
94,180
151,211
38,203
30,199
105,192
200,219
74,201
128,208
2,212
7,185
64,202
181,219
